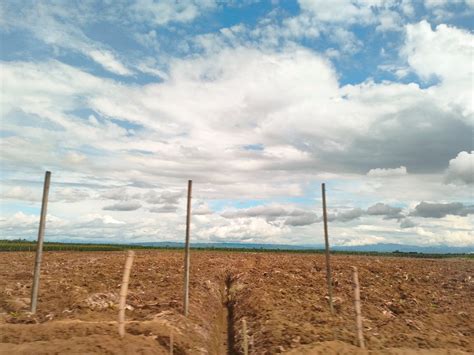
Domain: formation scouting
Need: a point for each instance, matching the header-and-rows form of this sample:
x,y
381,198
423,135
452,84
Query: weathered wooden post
x,y
171,342
360,335
123,293
186,250
326,240
245,343
39,246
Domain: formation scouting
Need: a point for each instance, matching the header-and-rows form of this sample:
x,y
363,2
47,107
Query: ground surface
x,y
409,306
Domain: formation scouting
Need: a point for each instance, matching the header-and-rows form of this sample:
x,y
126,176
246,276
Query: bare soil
x,y
409,306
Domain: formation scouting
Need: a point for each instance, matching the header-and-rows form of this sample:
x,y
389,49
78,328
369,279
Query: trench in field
x,y
224,333
229,315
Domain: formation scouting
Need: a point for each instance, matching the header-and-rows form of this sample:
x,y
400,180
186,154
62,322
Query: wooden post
x,y
245,343
123,293
171,342
39,245
326,240
186,250
360,335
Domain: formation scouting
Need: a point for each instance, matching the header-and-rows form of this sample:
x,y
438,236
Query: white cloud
x,y
101,219
445,3
245,230
20,218
302,129
440,210
69,195
346,216
461,168
123,206
108,61
120,194
201,209
340,11
380,172
276,214
382,209
389,21
444,53
165,197
164,209
162,12
19,193
407,223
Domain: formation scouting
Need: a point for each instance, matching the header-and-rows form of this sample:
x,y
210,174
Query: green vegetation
x,y
26,245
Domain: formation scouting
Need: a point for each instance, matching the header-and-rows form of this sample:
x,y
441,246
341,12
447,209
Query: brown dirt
x,y
410,306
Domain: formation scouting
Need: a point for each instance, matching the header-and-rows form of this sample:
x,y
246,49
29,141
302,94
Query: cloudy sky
x,y
258,102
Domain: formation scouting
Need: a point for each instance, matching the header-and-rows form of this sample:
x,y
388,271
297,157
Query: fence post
x,y
123,292
171,342
360,335
245,343
326,240
39,245
186,250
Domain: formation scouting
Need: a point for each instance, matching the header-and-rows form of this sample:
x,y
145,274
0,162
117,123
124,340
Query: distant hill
x,y
390,248
381,248
235,245
405,250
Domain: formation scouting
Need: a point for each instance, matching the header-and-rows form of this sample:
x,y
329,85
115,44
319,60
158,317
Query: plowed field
x,y
409,306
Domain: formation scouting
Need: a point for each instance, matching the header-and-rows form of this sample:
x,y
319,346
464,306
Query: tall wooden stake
x,y
245,343
186,250
171,342
326,240
360,335
39,247
123,292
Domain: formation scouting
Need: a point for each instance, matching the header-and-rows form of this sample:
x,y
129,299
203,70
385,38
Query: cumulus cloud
x,y
164,197
99,220
168,200
19,219
346,216
123,206
284,214
19,193
444,53
407,223
258,211
380,172
70,195
304,219
432,52
245,230
461,168
379,209
341,11
382,209
162,12
440,210
164,209
201,209
120,193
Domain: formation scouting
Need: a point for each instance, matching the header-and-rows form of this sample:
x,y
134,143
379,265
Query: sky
x,y
257,102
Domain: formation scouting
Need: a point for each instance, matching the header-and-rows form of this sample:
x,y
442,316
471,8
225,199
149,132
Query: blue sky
x,y
258,102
